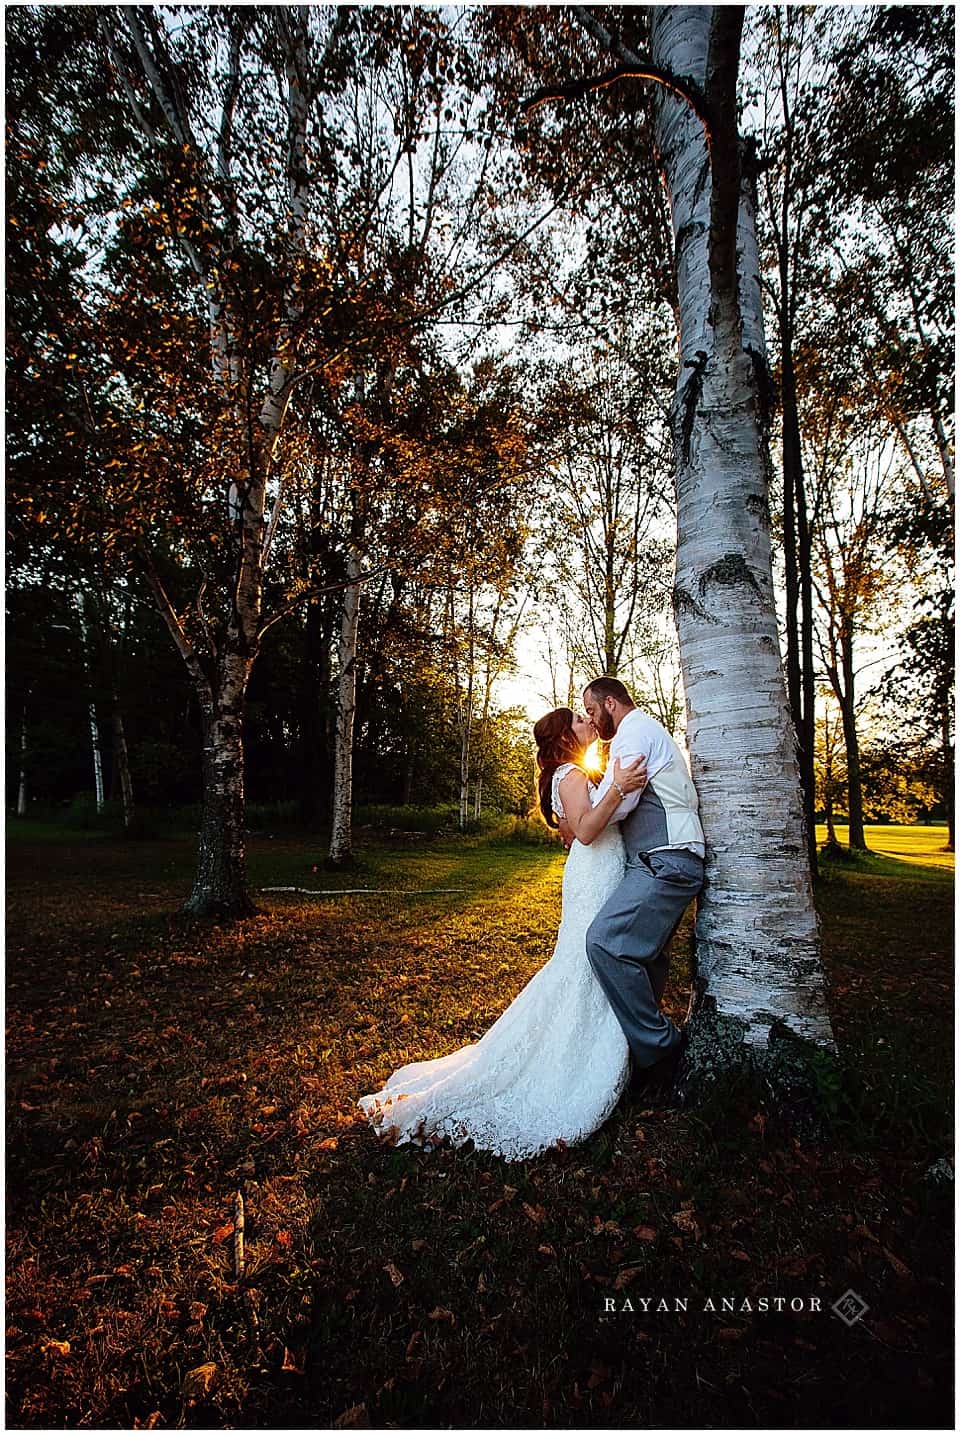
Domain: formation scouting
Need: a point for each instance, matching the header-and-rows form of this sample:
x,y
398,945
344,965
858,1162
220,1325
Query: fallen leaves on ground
x,y
393,1287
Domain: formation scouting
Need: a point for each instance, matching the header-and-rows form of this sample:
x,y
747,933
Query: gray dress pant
x,y
628,941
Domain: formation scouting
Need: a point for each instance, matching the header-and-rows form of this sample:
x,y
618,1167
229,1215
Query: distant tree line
x,y
327,374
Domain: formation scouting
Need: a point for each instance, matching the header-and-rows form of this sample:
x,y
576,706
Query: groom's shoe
x,y
662,1072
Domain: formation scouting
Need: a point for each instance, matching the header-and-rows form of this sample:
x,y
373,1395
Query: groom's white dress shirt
x,y
670,803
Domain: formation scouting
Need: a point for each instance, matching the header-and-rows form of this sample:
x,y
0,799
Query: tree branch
x,y
429,310
121,70
225,135
168,102
317,593
641,70
167,611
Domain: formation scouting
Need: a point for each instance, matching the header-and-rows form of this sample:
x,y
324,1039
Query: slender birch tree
x,y
253,380
23,785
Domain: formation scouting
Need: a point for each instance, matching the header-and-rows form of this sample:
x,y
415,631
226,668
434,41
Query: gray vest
x,y
646,826
667,813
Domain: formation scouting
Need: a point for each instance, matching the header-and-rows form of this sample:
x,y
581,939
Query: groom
x,y
628,939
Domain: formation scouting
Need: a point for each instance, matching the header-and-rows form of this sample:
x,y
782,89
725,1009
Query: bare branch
x,y
317,593
167,611
577,89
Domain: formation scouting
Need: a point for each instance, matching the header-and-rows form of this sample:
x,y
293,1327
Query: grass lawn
x,y
156,1068
923,846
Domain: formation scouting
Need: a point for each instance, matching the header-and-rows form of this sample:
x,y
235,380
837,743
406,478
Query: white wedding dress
x,y
551,1069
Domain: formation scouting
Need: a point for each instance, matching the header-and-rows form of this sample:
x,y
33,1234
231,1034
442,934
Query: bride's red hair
x,y
556,743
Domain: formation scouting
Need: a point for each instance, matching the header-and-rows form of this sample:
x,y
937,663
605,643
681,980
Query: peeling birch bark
x,y
758,963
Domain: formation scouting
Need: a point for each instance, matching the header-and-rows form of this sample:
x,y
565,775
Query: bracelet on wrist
x,y
619,789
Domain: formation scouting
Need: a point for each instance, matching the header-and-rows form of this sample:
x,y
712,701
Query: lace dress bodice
x,y
551,1069
555,799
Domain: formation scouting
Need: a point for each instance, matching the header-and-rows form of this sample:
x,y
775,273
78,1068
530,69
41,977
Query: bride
x,y
551,1069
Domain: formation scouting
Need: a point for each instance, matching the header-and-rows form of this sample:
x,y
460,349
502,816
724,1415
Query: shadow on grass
x,y
835,862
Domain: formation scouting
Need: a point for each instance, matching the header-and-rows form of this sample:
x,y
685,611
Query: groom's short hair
x,y
610,688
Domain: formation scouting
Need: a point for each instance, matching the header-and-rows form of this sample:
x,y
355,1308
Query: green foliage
x,y
893,1103
268,816
384,818
82,814
529,831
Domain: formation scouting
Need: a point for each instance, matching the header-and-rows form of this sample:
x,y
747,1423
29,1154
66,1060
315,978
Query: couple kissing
x,y
552,1068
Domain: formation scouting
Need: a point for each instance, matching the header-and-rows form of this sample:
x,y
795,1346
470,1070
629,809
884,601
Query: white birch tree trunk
x,y
97,758
466,720
342,817
22,787
757,939
946,457
465,759
88,667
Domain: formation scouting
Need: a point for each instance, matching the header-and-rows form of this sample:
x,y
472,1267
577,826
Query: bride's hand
x,y
633,776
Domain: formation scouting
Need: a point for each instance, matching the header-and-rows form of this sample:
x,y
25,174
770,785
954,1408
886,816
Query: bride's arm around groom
x,y
585,816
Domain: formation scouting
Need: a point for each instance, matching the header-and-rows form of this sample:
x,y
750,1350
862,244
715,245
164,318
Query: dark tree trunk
x,y
828,802
121,761
341,820
408,777
610,614
807,670
22,787
220,883
111,650
948,797
851,743
315,740
799,612
791,458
